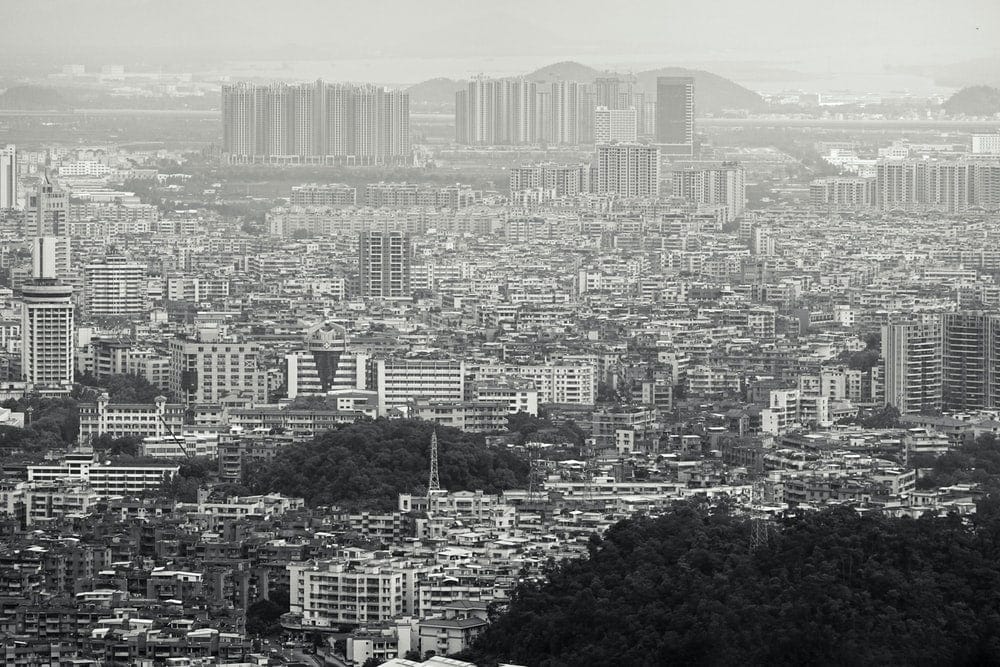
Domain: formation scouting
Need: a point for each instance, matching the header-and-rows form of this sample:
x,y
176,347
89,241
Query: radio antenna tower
x,y
434,483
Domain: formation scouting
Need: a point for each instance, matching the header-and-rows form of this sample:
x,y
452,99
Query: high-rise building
x,y
566,107
911,355
675,114
722,184
628,170
384,260
497,112
47,325
114,288
8,177
615,125
315,123
970,360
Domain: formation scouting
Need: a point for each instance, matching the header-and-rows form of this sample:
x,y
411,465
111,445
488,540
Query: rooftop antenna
x,y
434,483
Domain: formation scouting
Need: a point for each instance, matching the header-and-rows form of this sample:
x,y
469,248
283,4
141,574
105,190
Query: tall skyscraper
x,y
628,170
47,327
722,184
615,125
970,360
8,177
912,357
315,123
675,114
384,260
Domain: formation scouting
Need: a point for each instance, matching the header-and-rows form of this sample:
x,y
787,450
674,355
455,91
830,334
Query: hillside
x,y
974,101
440,91
713,93
368,464
828,588
566,70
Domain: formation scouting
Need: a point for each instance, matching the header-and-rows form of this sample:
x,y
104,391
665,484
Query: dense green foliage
x,y
974,101
976,462
50,423
369,463
830,588
125,388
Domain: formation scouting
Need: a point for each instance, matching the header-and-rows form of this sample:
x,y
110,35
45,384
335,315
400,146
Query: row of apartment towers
x,y
519,111
315,123
949,363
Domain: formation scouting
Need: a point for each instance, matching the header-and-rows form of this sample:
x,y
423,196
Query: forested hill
x,y
369,463
830,588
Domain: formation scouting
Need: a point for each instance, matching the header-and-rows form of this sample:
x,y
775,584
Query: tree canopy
x,y
369,463
829,587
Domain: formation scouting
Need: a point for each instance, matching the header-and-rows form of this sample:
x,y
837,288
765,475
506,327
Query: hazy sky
x,y
804,35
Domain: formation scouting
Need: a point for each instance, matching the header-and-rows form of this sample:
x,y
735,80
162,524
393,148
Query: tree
x,y
369,463
830,587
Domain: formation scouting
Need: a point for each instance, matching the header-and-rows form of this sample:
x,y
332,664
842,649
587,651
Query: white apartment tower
x,y
114,287
628,170
47,322
384,260
615,125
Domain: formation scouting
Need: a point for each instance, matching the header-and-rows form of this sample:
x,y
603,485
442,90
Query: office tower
x,y
565,109
724,184
400,381
497,112
615,125
208,366
675,114
970,360
114,288
315,123
911,356
628,170
8,177
586,102
561,180
47,333
384,260
842,193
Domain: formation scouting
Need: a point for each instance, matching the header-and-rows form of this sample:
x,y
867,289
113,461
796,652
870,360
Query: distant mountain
x,y
435,91
566,70
981,71
712,94
32,98
974,101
